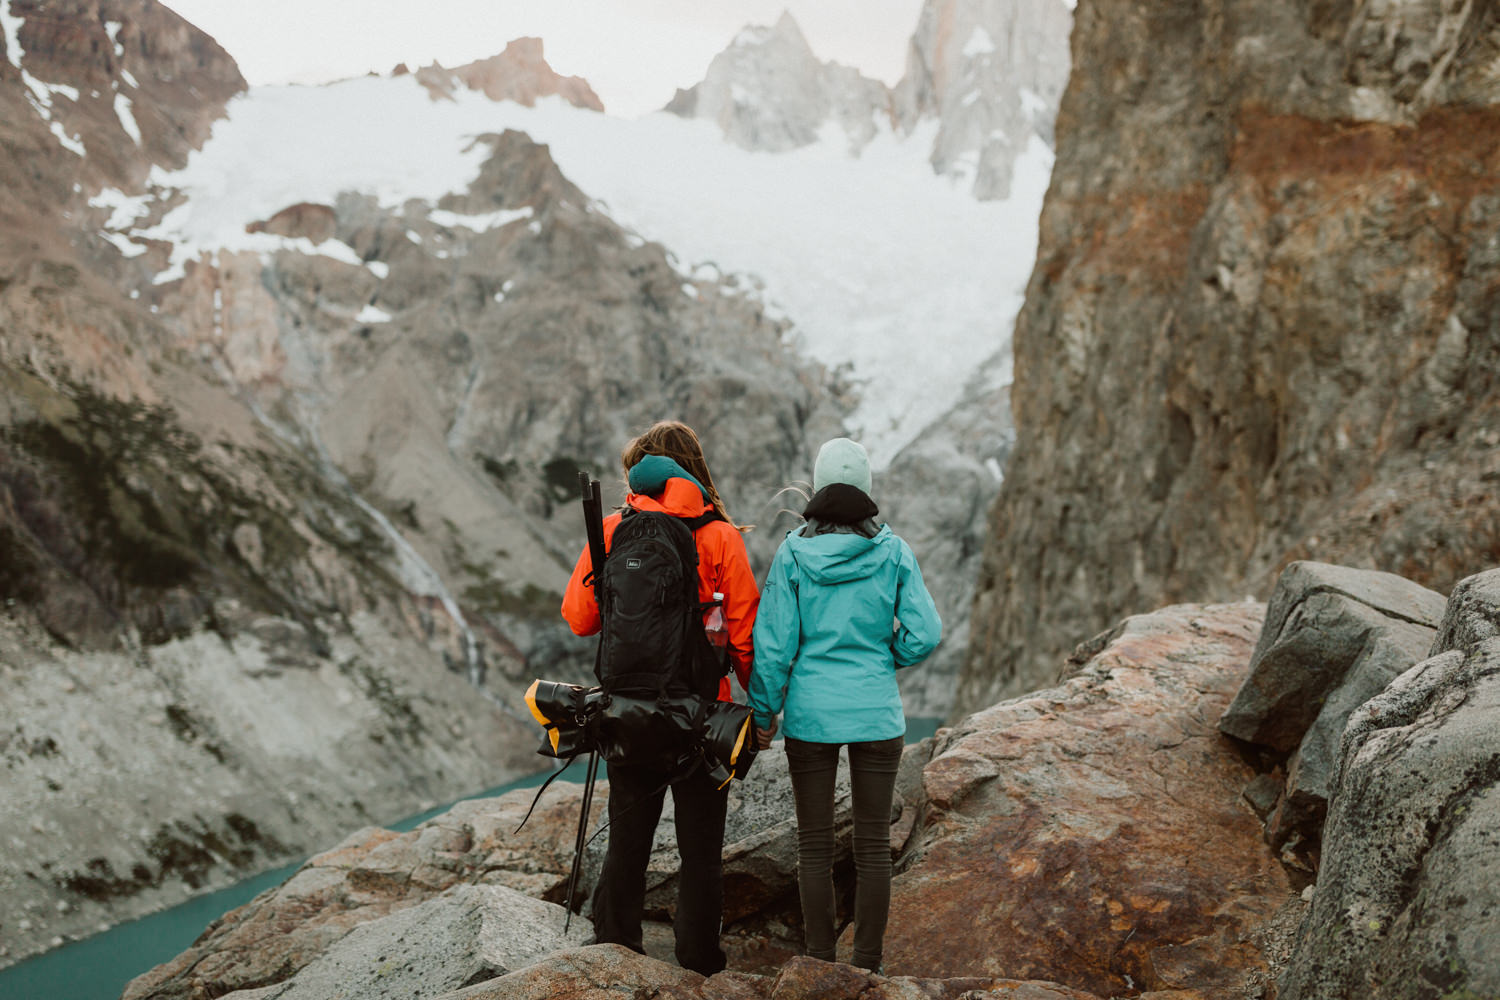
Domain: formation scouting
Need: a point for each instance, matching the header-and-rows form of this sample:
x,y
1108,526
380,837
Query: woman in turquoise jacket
x,y
843,608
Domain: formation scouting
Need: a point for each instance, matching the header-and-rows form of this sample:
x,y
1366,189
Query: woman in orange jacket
x,y
666,472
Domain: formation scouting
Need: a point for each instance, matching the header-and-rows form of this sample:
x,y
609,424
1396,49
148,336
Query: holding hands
x,y
763,736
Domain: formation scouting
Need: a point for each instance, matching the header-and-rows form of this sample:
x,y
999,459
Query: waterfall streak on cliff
x,y
415,573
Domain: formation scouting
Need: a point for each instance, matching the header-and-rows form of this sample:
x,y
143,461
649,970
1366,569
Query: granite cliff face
x,y
1264,322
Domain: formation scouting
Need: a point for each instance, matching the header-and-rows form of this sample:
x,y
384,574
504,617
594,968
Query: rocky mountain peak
x,y
785,32
97,96
991,72
521,73
769,91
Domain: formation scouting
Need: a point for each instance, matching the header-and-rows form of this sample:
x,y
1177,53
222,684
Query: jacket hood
x,y
679,497
841,557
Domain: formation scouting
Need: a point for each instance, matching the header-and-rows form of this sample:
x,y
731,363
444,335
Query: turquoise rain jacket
x,y
839,614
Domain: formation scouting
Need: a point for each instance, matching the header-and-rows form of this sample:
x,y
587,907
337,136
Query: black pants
x,y
872,779
635,801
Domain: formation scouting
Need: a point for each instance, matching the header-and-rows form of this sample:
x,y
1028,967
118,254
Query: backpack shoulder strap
x,y
707,517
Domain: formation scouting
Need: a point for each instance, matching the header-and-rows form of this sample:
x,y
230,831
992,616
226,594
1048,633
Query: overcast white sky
x,y
635,53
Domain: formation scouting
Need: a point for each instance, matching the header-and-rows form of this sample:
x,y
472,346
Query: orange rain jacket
x,y
723,567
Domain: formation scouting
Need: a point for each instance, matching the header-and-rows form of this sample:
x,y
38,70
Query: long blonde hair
x,y
677,441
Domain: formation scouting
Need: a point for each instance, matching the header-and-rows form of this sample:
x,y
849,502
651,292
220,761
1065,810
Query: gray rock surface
x,y
1311,768
1334,637
469,934
598,972
1406,904
1472,614
1320,623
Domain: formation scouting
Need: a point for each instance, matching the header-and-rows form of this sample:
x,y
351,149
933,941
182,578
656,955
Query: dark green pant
x,y
872,776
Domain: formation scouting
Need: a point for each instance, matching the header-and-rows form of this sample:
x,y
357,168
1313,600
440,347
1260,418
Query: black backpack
x,y
657,704
656,667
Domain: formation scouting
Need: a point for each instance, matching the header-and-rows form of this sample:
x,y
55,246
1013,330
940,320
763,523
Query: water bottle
x,y
714,623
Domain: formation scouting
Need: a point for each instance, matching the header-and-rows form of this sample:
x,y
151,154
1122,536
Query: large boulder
x,y
467,935
1320,621
375,873
1472,614
1094,834
1334,638
597,972
1406,903
608,972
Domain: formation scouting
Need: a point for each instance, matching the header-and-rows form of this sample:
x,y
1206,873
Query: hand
x,y
763,736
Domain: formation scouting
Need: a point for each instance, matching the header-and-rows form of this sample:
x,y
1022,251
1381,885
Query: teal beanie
x,y
649,476
842,461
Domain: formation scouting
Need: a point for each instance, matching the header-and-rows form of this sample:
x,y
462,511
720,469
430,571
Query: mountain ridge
x,y
769,91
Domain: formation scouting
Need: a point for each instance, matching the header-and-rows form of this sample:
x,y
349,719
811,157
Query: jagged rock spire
x,y
769,91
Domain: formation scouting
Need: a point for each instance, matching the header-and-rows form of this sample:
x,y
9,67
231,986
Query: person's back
x,y
842,685
843,607
667,474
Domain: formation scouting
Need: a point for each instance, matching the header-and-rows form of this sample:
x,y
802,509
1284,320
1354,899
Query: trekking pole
x,y
593,522
579,841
